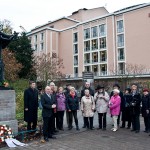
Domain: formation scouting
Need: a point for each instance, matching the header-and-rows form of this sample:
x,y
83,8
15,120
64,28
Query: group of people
x,y
55,102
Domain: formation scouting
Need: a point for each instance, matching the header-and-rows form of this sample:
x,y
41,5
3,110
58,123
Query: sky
x,y
32,13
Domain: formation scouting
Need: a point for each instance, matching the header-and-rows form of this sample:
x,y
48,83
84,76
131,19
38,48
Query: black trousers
x,y
74,114
60,115
136,122
118,120
102,120
88,122
67,117
147,123
47,126
55,121
33,127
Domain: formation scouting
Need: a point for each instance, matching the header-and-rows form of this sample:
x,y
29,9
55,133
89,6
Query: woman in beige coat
x,y
101,99
87,108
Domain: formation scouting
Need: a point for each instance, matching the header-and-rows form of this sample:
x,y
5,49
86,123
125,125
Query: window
x,y
42,36
41,46
87,33
121,54
120,26
75,37
103,56
95,57
75,47
87,68
35,47
95,69
94,44
103,69
102,30
35,38
75,60
94,32
87,46
121,68
103,43
75,71
87,58
120,40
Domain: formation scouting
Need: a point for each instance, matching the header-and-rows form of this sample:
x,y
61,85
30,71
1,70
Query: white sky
x,y
31,13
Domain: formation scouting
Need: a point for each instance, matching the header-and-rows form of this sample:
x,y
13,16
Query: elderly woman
x,y
61,107
101,99
72,104
87,108
114,105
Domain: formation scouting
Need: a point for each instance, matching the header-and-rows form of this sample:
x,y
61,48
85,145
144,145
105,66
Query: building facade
x,y
95,40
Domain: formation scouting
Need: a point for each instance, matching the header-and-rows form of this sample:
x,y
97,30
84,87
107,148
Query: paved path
x,y
84,139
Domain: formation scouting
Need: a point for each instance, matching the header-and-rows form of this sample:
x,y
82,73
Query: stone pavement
x,y
84,139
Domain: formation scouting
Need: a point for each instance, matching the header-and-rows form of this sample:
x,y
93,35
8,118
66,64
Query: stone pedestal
x,y
8,109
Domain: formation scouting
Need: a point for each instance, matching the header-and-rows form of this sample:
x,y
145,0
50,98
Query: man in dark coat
x,y
145,109
116,86
49,106
87,86
135,109
31,106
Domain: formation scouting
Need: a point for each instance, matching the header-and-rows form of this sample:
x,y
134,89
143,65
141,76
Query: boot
x,y
77,128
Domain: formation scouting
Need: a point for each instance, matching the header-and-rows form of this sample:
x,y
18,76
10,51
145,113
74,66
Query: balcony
x,y
87,61
95,61
86,49
121,57
94,47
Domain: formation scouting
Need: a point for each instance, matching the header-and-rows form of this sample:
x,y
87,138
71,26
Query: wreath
x,y
5,133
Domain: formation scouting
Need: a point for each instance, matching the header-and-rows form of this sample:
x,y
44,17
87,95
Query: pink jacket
x,y
114,105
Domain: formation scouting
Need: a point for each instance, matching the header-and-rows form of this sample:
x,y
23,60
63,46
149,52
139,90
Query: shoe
x,y
56,130
52,137
54,133
84,127
104,129
137,131
92,128
46,139
145,131
122,127
132,130
77,128
70,128
114,130
62,129
99,128
128,128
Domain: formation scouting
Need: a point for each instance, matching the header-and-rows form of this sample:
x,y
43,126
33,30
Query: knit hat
x,y
146,90
116,85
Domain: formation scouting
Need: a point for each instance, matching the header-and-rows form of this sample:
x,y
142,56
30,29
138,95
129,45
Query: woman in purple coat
x,y
61,107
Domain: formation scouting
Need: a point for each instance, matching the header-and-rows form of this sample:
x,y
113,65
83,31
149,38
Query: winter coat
x,y
87,106
135,104
61,101
72,103
122,99
114,105
101,104
126,112
145,105
30,102
90,90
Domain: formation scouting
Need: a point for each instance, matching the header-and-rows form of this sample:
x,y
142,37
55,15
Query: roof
x,y
124,10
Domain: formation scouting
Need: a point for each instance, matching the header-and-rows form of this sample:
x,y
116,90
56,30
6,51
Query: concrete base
x,y
8,109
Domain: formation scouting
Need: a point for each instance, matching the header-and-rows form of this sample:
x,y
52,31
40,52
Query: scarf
x,y
72,95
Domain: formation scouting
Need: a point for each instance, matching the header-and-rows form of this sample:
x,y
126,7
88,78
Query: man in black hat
x,y
116,86
87,86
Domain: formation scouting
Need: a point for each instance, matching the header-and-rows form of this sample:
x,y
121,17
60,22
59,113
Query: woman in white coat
x,y
101,99
87,108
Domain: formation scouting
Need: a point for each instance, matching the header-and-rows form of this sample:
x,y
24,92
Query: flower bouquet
x,y
5,133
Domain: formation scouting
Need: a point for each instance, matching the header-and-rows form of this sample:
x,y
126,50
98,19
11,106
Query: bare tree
x,y
48,67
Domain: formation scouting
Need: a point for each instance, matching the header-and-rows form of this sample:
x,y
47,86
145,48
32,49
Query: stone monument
x,y
7,96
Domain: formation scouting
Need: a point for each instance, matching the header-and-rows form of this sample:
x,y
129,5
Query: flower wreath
x,y
5,133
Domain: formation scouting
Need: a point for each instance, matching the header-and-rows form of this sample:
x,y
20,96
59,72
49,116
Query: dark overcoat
x,y
30,102
47,103
145,105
